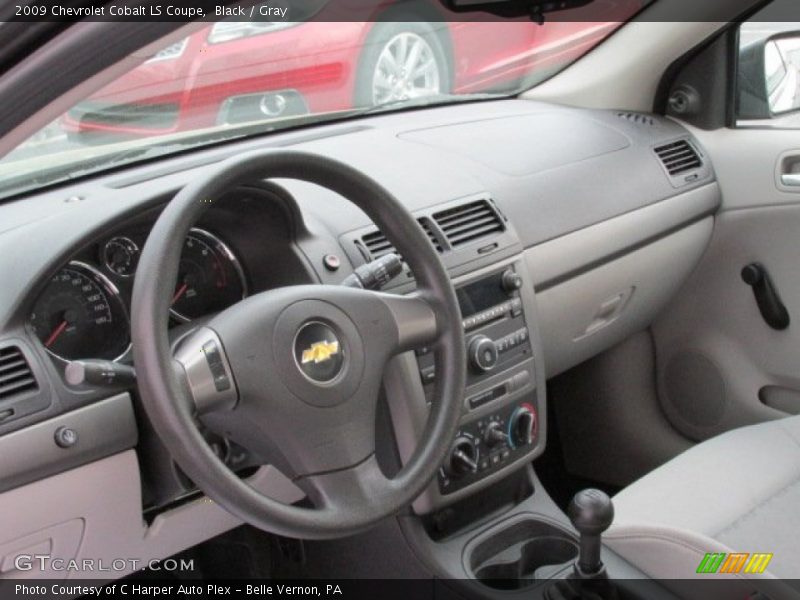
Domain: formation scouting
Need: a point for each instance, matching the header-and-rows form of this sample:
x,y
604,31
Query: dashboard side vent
x,y
16,376
637,118
468,222
678,157
376,244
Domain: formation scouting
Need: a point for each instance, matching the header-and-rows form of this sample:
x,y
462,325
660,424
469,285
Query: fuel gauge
x,y
120,256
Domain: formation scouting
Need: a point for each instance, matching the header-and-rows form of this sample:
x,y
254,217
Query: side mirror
x,y
769,76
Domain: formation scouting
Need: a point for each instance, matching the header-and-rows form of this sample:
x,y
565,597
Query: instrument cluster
x,y
82,312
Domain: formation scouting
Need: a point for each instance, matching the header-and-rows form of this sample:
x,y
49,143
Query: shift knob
x,y
591,513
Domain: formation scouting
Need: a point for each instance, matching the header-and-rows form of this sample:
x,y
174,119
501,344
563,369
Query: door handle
x,y
787,172
791,179
769,303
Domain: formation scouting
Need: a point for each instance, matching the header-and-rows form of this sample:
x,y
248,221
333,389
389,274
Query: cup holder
x,y
520,553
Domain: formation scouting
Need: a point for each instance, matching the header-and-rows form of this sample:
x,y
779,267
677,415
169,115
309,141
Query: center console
x,y
501,428
485,524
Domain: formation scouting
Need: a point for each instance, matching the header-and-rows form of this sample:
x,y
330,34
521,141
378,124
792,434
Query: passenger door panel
x,y
719,364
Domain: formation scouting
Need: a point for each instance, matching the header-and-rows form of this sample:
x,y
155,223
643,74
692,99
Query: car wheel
x,y
401,61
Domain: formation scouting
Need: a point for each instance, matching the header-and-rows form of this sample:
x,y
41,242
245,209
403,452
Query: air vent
x,y
16,376
637,118
679,157
469,222
426,227
377,245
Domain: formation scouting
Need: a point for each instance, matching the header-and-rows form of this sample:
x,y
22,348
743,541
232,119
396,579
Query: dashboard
x,y
582,209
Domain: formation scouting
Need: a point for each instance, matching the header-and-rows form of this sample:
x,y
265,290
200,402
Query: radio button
x,y
511,281
516,307
521,380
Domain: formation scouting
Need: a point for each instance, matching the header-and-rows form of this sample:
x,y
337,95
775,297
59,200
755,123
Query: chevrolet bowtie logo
x,y
320,352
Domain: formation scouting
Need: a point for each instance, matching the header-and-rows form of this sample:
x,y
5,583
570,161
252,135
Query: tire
x,y
377,82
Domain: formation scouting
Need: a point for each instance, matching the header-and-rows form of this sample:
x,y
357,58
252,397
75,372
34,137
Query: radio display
x,y
481,295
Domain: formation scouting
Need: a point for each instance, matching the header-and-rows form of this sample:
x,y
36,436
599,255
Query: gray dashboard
x,y
564,180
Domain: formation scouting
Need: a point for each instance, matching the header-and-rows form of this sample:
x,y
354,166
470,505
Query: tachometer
x,y
80,315
210,278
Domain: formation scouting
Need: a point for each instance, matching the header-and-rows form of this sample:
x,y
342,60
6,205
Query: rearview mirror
x,y
769,73
510,9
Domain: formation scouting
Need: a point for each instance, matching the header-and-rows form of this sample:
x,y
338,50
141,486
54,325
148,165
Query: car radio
x,y
499,356
496,333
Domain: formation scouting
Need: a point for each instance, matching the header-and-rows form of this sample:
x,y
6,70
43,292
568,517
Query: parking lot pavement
x,y
49,139
49,146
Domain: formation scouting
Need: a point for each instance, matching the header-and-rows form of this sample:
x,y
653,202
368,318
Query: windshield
x,y
234,78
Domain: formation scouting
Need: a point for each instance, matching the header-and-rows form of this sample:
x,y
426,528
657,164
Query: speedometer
x,y
210,278
80,315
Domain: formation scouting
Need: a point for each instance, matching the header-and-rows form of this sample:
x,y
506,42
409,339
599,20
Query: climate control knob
x,y
522,426
494,435
482,353
463,458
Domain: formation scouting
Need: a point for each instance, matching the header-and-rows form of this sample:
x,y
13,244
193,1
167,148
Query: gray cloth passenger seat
x,y
737,492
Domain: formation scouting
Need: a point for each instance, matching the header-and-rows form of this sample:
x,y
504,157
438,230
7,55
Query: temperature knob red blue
x,y
522,426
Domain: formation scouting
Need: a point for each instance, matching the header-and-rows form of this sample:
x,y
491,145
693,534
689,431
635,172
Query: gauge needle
x,y
179,293
56,332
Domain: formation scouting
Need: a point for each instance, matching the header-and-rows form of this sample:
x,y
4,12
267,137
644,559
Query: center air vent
x,y
16,376
376,244
468,222
678,157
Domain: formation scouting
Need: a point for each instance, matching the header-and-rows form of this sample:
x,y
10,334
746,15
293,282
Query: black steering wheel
x,y
296,372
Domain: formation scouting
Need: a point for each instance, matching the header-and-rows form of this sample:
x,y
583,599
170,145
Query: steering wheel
x,y
295,372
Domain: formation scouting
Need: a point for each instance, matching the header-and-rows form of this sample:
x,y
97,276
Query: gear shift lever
x,y
591,513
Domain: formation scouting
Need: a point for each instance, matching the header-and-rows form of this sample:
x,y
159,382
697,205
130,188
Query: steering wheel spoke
x,y
207,371
361,485
414,317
